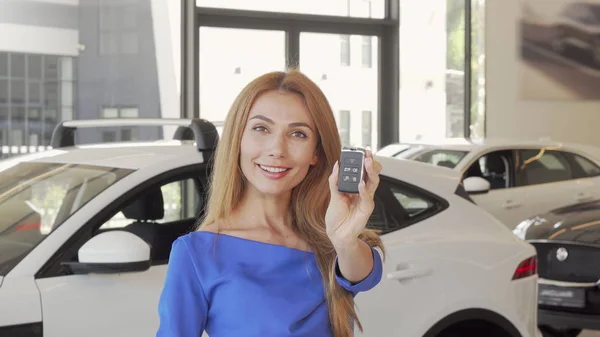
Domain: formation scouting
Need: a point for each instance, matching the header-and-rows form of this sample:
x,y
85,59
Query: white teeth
x,y
273,169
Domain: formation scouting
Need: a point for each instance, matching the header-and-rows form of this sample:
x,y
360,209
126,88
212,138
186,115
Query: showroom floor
x,y
590,333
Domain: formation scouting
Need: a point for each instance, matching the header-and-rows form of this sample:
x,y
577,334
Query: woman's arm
x,y
345,219
358,266
183,305
355,260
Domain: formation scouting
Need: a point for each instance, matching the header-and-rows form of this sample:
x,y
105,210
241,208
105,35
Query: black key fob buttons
x,y
351,169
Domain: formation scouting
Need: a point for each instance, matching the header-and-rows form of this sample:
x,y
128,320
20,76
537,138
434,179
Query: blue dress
x,y
234,287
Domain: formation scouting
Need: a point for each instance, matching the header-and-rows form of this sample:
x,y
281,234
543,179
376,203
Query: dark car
x,y
578,25
567,241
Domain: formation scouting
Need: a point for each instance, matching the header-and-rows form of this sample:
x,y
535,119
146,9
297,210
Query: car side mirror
x,y
111,252
476,185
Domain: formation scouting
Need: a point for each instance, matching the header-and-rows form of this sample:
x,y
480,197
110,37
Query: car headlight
x,y
521,228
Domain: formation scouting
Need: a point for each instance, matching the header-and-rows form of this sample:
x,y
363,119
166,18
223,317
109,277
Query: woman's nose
x,y
277,146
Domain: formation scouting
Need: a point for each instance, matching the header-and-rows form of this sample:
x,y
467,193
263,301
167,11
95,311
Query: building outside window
x,y
81,57
344,127
124,133
118,30
367,132
367,51
36,92
345,50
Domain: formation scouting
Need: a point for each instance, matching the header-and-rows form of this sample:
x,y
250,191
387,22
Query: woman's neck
x,y
259,210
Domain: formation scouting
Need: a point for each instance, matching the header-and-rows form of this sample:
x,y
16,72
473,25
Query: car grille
x,y
581,264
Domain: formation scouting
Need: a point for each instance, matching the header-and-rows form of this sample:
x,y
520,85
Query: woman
x,y
280,252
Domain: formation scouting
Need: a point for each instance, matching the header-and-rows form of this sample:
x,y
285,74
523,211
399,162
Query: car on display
x,y
567,240
86,232
513,180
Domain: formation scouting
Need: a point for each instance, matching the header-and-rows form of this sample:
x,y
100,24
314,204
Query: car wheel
x,y
548,331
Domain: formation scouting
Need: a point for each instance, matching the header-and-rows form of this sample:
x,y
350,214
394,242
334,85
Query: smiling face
x,y
278,143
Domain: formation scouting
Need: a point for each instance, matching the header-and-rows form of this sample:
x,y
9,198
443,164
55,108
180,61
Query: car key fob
x,y
351,170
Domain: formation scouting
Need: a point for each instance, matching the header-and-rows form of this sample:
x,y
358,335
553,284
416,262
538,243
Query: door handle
x,y
404,272
509,204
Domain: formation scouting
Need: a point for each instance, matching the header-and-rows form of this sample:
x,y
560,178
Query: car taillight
x,y
526,268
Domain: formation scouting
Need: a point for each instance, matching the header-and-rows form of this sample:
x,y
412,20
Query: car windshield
x,y
439,157
36,198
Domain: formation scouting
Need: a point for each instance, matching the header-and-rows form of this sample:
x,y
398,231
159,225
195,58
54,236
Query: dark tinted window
x,y
398,205
587,167
495,167
543,166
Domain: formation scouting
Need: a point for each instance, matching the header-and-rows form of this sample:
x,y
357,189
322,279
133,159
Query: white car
x,y
77,224
513,180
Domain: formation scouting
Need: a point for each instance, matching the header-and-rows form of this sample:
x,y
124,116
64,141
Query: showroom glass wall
x,y
442,91
336,43
83,59
440,61
86,59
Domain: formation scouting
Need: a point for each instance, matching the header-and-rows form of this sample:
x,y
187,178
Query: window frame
x,y
395,212
521,180
69,249
294,24
579,171
512,171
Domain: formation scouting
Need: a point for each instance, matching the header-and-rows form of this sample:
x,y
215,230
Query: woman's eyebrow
x,y
270,121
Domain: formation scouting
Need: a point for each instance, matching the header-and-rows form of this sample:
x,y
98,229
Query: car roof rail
x,y
201,131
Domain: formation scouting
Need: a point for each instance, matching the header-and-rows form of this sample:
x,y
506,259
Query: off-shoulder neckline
x,y
256,242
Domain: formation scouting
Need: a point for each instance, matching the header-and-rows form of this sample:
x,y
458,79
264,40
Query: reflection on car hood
x,y
576,223
1,279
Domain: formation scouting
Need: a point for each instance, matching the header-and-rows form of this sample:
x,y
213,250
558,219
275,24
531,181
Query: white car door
x,y
529,182
505,204
548,179
123,304
97,305
587,175
504,201
396,307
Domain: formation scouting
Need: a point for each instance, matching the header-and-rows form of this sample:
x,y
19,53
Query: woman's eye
x,y
299,134
259,128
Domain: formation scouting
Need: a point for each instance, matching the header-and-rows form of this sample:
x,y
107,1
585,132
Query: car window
x,y
398,205
159,210
412,203
445,158
36,198
177,200
495,167
160,214
380,220
392,150
543,166
588,168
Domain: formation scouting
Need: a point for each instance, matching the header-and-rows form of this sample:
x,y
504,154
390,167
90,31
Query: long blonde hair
x,y
309,199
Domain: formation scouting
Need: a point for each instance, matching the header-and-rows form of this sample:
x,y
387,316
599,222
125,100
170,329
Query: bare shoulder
x,y
224,227
211,227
